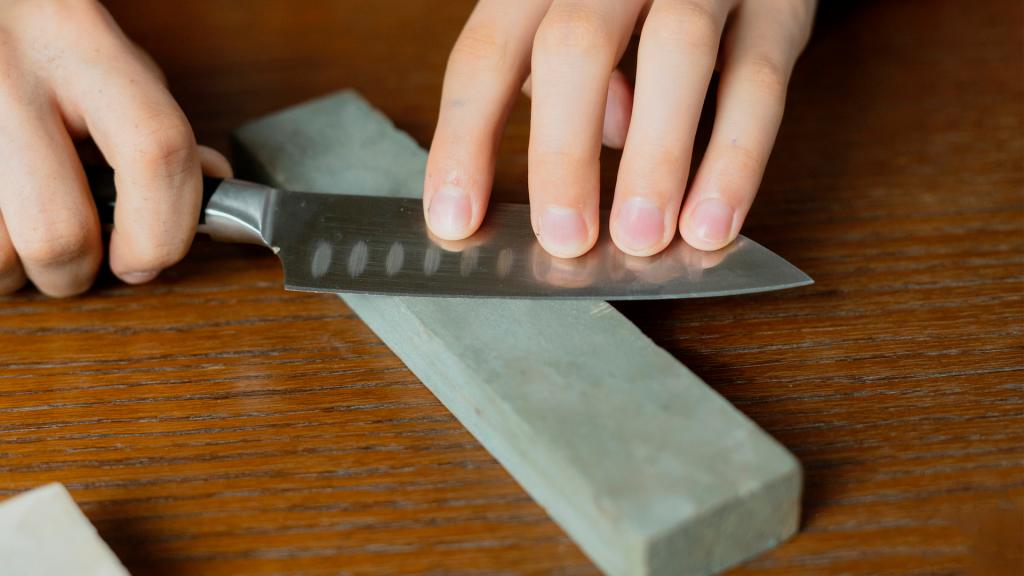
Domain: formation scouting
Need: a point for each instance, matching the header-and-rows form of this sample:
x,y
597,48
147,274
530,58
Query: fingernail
x,y
139,277
563,232
712,220
450,212
640,224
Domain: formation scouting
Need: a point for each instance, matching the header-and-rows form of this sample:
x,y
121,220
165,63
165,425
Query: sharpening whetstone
x,y
43,533
647,468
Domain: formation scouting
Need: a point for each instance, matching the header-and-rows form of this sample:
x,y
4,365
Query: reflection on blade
x,y
336,243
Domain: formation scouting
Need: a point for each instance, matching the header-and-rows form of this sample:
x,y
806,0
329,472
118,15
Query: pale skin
x,y
566,52
68,74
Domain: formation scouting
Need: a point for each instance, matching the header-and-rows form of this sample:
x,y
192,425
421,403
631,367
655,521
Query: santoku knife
x,y
379,245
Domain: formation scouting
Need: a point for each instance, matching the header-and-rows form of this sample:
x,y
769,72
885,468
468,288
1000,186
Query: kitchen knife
x,y
380,245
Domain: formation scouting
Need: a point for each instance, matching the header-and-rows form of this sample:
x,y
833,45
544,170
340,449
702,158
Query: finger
x,y
12,276
678,49
485,69
761,49
145,136
48,214
617,111
575,51
214,163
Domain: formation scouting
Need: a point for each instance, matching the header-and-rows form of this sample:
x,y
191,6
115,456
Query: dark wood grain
x,y
211,423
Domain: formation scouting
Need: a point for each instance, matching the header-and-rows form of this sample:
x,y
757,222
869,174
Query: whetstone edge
x,y
647,468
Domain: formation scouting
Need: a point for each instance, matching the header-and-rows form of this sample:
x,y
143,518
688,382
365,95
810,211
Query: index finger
x,y
485,69
145,136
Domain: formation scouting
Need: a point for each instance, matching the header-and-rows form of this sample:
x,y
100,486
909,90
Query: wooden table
x,y
211,423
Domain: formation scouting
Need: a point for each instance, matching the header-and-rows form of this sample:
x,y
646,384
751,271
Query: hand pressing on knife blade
x,y
68,73
566,52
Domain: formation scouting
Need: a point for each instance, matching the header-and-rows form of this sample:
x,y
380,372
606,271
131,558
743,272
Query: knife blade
x,y
380,245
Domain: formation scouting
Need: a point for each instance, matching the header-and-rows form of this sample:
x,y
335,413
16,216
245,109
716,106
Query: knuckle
x,y
167,148
661,152
667,158
572,171
575,29
689,23
481,46
38,35
554,159
745,162
660,166
55,246
768,75
740,172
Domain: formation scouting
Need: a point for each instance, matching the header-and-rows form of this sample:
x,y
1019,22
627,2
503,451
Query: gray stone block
x,y
645,467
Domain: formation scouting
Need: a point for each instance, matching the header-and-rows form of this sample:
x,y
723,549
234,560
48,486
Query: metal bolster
x,y
239,212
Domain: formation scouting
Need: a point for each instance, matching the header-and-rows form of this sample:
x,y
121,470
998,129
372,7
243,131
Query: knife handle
x,y
232,210
101,182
